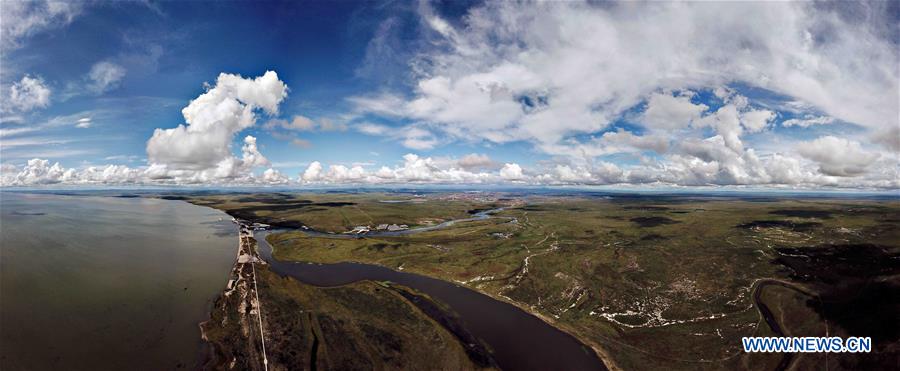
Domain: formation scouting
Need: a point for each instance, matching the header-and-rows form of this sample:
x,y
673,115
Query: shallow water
x,y
91,283
519,341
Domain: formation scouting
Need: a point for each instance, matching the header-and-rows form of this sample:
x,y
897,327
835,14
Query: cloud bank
x,y
562,75
800,95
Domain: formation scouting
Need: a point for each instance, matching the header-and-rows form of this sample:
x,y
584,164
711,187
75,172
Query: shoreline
x,y
237,283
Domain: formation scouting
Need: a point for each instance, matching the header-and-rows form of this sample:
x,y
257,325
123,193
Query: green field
x,y
650,282
365,325
339,212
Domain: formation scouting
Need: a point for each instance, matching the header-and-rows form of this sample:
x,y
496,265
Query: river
x,y
99,283
518,340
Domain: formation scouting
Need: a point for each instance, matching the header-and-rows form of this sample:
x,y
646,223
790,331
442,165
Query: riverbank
x,y
578,353
238,305
356,326
538,344
654,281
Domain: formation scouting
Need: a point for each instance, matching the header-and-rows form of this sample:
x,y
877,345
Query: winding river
x,y
518,340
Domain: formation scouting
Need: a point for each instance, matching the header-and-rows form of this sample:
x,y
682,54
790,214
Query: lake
x,y
107,283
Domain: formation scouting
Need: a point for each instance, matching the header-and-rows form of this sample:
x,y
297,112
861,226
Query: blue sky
x,y
451,92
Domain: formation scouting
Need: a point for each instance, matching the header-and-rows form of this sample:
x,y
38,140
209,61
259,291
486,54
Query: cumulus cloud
x,y
758,120
201,149
512,172
838,156
313,172
558,74
41,172
272,176
414,169
38,172
665,111
707,162
104,76
29,93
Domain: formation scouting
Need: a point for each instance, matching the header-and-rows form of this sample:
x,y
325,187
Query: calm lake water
x,y
90,283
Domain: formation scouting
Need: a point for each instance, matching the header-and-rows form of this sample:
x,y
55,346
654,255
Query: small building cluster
x,y
393,227
362,229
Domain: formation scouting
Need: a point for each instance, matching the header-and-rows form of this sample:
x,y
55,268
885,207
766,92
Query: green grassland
x,y
651,282
338,212
364,325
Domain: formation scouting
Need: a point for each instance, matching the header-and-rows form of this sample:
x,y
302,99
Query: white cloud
x,y
708,162
726,122
22,19
201,150
31,92
272,176
312,173
373,129
620,141
838,156
414,169
758,120
83,123
668,112
418,138
12,119
38,171
104,76
556,74
808,121
512,172
251,157
594,62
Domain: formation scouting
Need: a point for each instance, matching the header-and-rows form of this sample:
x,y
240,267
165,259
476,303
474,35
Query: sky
x,y
632,95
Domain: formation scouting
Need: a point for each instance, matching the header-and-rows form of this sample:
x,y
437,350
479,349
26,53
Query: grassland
x,y
651,282
365,325
339,212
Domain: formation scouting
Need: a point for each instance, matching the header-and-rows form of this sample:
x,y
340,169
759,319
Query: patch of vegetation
x,y
794,226
652,221
678,298
358,326
803,213
337,212
856,283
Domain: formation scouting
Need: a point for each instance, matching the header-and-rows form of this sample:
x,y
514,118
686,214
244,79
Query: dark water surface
x,y
519,341
102,283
